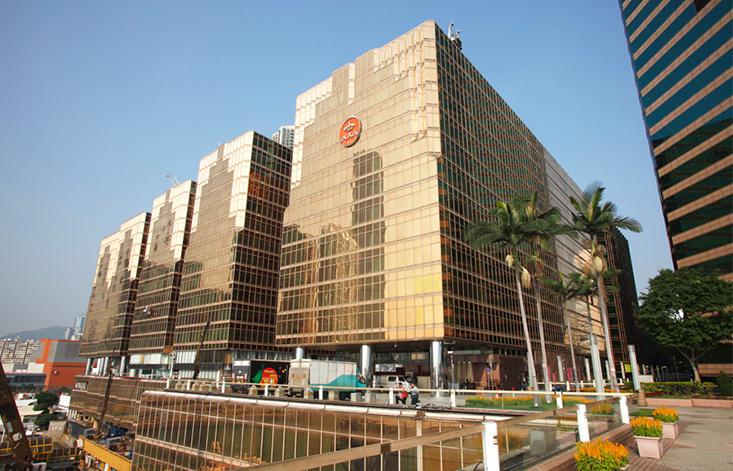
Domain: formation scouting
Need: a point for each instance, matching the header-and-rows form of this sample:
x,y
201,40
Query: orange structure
x,y
61,362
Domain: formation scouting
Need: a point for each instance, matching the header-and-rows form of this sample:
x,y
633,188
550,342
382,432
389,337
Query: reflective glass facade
x,y
123,404
112,302
683,66
232,262
572,255
623,302
374,247
160,278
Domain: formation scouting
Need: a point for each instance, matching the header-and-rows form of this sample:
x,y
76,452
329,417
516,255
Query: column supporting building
x,y
436,364
365,364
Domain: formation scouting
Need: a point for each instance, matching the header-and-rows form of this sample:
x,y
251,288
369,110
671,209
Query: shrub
x,y
646,427
725,384
682,388
666,414
592,390
600,455
500,403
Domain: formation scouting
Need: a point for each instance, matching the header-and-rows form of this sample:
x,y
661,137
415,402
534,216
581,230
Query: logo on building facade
x,y
350,131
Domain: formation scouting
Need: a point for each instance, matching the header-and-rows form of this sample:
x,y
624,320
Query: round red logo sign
x,y
350,131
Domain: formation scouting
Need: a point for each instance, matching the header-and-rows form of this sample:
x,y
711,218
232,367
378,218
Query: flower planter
x,y
650,447
670,430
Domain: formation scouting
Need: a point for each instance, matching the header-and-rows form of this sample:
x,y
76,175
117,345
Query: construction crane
x,y
99,433
14,429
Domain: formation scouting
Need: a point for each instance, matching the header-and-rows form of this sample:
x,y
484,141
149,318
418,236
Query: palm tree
x,y
514,226
551,228
595,218
586,288
566,290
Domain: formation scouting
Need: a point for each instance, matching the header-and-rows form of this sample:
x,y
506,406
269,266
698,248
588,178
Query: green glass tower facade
x,y
683,66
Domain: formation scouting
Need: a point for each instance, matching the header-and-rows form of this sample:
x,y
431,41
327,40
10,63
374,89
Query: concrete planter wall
x,y
670,430
650,447
694,402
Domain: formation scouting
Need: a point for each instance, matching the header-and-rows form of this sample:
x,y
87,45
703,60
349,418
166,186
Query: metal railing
x,y
503,445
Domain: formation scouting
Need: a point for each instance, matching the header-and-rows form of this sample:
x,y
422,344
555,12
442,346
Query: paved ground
x,y
704,444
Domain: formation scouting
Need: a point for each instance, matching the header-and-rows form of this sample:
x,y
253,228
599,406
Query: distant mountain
x,y
55,332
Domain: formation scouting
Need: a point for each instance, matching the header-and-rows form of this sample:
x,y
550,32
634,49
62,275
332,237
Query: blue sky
x,y
100,100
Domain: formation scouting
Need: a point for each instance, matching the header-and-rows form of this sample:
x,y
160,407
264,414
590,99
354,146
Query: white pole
x,y
583,432
491,447
634,367
624,410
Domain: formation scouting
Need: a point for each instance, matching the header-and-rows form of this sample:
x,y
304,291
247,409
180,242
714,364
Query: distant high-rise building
x,y
151,337
682,60
112,302
77,329
284,136
231,268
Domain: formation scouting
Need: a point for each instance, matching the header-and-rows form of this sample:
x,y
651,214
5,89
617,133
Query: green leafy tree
x,y
45,400
594,218
688,310
42,420
514,225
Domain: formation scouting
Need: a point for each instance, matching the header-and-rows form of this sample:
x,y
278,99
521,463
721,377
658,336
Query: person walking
x,y
402,394
414,394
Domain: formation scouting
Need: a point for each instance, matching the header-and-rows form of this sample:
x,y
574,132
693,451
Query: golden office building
x,y
395,154
230,271
151,336
112,302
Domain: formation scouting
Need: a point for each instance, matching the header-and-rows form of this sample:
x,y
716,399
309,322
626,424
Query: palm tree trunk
x,y
606,330
595,356
545,372
572,349
530,354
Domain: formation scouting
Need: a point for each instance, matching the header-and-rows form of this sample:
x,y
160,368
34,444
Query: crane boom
x,y
14,429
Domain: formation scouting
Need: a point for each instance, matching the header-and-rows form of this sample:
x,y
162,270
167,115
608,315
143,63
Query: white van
x,y
390,381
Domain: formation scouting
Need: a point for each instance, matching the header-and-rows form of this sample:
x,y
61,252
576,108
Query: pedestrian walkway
x,y
705,443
